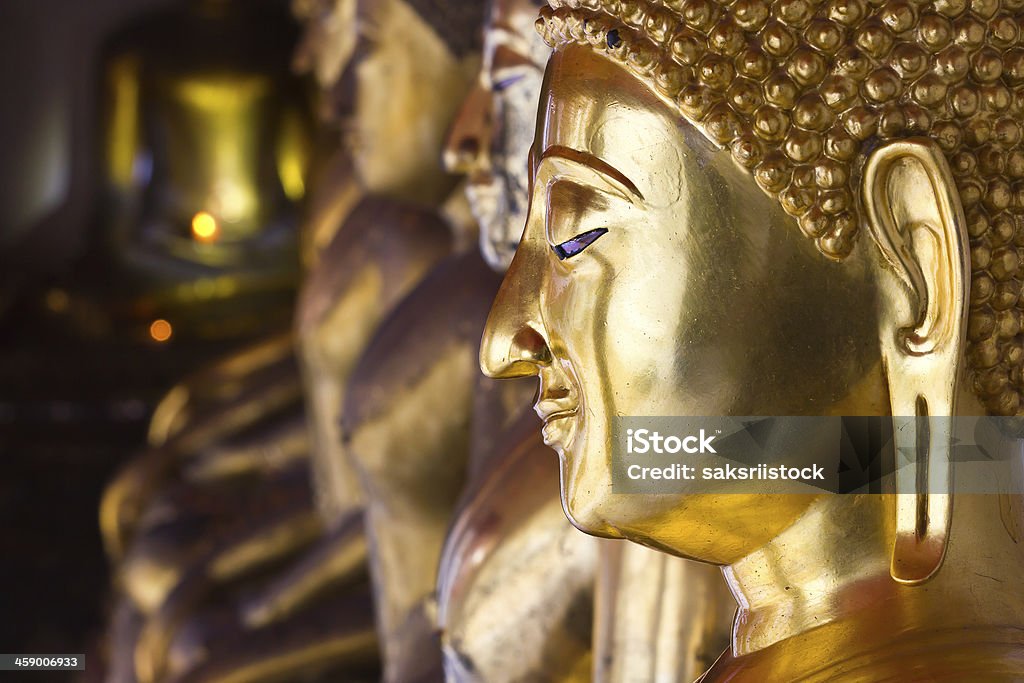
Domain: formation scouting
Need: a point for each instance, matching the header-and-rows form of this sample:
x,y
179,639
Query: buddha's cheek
x,y
637,340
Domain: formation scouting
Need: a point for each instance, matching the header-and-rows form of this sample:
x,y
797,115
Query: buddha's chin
x,y
559,433
586,514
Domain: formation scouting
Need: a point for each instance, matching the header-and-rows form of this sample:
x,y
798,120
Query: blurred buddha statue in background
x,y
206,154
516,585
410,456
658,617
225,569
393,105
412,65
489,141
236,425
788,208
206,141
232,394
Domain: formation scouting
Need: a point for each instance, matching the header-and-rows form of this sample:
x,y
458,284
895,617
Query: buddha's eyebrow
x,y
594,163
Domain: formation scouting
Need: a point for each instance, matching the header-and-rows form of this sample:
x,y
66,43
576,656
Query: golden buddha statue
x,y
230,431
747,145
423,354
412,460
233,395
516,582
382,239
491,135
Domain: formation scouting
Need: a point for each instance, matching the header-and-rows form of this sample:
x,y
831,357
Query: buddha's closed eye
x,y
506,82
577,244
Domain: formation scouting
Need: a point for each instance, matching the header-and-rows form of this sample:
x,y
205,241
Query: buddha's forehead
x,y
595,106
510,26
513,13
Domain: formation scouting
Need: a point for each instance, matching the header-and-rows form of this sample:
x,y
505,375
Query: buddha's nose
x,y
514,342
469,137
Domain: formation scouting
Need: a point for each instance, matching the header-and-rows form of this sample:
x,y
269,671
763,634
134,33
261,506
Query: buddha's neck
x,y
832,566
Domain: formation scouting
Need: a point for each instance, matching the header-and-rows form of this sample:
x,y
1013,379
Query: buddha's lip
x,y
550,416
558,429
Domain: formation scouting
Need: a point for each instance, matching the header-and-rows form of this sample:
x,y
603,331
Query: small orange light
x,y
204,227
57,300
160,330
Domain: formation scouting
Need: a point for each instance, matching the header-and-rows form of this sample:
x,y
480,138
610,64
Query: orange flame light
x,y
205,228
160,330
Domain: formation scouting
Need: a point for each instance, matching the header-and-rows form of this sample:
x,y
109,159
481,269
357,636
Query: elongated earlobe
x,y
916,220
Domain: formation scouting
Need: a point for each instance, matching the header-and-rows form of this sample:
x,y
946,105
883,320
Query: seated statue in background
x,y
402,69
178,516
515,586
787,208
411,458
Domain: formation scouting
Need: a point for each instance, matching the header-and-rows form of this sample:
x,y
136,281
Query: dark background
x,y
48,75
71,409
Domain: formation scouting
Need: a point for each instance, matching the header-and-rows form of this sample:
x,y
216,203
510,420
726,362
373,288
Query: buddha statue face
x,y
631,207
410,72
328,39
490,139
391,74
681,162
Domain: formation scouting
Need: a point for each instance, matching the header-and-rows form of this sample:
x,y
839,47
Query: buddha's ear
x,y
915,218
